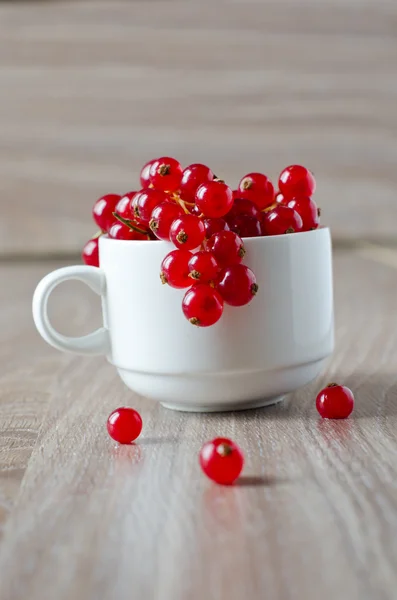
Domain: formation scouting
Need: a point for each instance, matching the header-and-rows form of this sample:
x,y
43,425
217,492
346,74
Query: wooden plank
x,y
30,369
91,90
314,517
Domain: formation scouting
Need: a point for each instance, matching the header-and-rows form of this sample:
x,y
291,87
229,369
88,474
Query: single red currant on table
x,y
227,248
121,231
307,210
202,305
296,181
165,174
175,269
237,285
193,176
203,267
258,188
90,253
162,218
187,232
281,220
103,210
335,402
124,425
221,460
214,199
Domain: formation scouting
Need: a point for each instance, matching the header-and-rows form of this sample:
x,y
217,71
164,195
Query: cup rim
x,y
263,239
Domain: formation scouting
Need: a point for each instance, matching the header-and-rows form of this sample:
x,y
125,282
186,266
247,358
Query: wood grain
x,y
314,516
91,90
30,369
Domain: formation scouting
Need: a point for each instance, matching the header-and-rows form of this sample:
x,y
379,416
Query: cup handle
x,y
93,343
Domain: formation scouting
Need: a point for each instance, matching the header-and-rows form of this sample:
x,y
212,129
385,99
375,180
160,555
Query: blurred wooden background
x,y
91,90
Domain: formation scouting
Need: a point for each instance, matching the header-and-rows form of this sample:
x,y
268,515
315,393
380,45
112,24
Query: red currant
x,y
162,218
213,226
258,188
202,305
90,253
221,460
187,232
237,285
335,402
145,174
144,202
243,207
121,231
124,425
203,267
103,210
280,220
175,269
245,226
214,199
192,177
124,206
279,198
166,174
296,181
307,210
227,247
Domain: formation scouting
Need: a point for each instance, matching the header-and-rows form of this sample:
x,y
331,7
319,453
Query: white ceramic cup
x,y
253,356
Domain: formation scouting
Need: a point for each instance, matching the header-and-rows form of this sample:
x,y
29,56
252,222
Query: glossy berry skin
x,y
279,198
120,231
187,232
175,269
227,247
144,202
296,181
243,207
245,226
124,425
162,218
258,188
165,174
193,176
335,402
203,267
202,305
214,199
124,206
307,210
90,254
213,226
221,460
103,210
281,220
237,285
145,174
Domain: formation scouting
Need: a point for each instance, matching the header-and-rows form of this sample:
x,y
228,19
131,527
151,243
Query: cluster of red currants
x,y
206,221
221,459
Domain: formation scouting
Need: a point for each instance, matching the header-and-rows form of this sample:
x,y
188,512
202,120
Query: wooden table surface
x,y
90,90
314,516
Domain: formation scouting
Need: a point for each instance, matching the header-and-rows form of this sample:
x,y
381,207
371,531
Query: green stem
x,y
130,224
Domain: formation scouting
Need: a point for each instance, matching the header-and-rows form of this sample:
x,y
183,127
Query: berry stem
x,y
130,224
181,203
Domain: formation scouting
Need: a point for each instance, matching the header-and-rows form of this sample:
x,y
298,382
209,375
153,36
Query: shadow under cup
x,y
252,357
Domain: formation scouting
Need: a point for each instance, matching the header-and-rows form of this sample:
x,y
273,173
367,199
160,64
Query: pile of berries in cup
x,y
221,459
206,221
